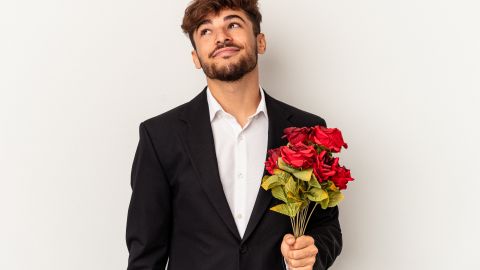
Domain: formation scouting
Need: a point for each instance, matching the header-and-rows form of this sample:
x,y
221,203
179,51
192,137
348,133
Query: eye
x,y
233,24
204,31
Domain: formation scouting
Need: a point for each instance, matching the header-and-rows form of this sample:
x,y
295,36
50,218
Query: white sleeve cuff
x,y
286,265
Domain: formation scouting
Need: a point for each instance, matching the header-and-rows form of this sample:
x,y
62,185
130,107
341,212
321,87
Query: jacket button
x,y
243,249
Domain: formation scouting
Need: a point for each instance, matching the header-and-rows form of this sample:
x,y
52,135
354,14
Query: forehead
x,y
223,15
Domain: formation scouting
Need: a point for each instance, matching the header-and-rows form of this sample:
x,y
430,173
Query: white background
x,y
400,78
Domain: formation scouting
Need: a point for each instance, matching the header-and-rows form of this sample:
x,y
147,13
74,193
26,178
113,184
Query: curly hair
x,y
197,10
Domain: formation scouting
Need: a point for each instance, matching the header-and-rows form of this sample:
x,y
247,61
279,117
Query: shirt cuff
x,y
286,265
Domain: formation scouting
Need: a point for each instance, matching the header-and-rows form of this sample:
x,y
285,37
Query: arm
x,y
325,229
149,214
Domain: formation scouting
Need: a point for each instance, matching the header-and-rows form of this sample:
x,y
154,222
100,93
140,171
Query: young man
x,y
196,197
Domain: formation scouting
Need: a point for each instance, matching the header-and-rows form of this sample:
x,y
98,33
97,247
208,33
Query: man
x,y
196,197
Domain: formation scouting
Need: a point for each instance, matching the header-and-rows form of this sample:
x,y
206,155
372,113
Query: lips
x,y
225,51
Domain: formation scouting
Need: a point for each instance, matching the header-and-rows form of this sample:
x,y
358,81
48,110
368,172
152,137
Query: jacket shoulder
x,y
169,118
300,117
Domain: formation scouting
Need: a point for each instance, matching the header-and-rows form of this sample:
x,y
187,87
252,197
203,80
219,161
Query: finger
x,y
303,242
298,254
301,268
285,247
289,239
306,263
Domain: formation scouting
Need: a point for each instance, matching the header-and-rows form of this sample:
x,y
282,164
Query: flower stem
x,y
310,215
304,215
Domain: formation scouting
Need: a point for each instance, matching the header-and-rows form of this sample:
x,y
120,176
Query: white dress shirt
x,y
240,155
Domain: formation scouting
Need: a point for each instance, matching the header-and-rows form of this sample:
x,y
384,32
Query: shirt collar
x,y
214,107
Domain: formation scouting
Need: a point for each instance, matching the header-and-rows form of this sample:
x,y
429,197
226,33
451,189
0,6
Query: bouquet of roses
x,y
305,171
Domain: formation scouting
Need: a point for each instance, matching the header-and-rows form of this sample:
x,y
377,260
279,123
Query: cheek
x,y
205,51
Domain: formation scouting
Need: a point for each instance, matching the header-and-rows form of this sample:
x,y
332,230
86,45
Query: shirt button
x,y
240,137
240,175
239,216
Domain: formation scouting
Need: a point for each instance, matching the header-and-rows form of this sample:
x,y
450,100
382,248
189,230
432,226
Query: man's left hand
x,y
299,253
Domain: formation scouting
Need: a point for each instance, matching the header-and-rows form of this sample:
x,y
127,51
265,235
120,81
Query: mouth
x,y
225,51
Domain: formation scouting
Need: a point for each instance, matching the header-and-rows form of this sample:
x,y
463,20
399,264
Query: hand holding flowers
x,y
303,172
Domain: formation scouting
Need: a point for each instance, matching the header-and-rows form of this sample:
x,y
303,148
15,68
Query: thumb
x,y
289,239
287,244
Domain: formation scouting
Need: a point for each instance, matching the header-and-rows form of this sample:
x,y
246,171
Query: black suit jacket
x,y
178,210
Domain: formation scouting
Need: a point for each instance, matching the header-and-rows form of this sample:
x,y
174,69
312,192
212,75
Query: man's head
x,y
225,35
198,10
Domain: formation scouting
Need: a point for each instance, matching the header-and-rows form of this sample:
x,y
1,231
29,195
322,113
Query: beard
x,y
232,71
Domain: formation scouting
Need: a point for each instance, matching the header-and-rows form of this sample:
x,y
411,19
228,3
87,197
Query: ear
x,y
261,43
195,59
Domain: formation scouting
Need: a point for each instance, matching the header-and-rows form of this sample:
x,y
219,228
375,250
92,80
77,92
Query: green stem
x,y
316,203
293,223
304,215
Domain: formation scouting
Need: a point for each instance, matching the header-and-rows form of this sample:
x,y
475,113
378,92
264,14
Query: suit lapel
x,y
201,149
278,120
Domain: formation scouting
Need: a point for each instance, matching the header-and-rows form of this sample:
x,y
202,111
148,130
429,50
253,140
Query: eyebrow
x,y
226,18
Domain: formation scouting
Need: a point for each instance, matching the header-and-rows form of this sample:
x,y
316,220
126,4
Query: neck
x,y
239,98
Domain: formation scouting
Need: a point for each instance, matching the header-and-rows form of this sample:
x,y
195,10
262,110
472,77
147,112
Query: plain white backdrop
x,y
400,78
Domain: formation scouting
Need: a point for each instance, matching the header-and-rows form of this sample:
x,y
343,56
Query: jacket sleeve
x,y
149,212
324,227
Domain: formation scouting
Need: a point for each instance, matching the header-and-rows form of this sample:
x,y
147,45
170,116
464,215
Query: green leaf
x,y
295,208
290,209
329,186
302,187
271,181
279,193
284,166
314,182
304,204
293,197
335,198
324,203
291,186
317,195
265,177
304,175
283,175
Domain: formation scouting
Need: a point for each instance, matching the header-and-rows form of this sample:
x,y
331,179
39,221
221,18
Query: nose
x,y
222,37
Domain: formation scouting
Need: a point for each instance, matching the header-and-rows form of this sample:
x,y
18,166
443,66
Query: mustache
x,y
225,45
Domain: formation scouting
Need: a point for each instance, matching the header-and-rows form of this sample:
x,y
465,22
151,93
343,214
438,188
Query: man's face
x,y
226,48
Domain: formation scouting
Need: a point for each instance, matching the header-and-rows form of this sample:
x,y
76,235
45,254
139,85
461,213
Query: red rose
x,y
299,155
331,138
271,163
341,177
296,135
324,166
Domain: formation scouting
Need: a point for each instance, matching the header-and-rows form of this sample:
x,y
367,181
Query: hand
x,y
299,253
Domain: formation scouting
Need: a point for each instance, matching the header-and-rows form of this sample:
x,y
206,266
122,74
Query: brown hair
x,y
197,10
